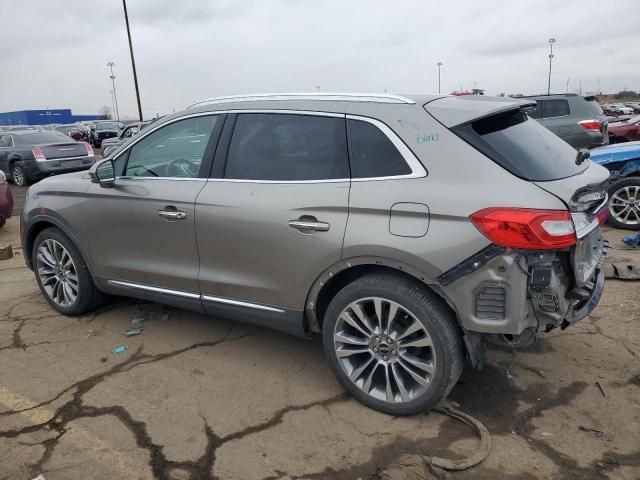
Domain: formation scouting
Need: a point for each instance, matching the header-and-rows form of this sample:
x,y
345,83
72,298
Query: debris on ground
x,y
133,331
136,320
547,434
39,477
632,240
598,433
6,252
599,385
120,348
620,271
103,359
423,467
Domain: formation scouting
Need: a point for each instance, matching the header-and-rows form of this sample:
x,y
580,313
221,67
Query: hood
x,y
617,152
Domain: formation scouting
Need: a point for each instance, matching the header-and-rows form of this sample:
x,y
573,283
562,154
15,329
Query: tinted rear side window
x,y
372,152
522,146
553,108
287,147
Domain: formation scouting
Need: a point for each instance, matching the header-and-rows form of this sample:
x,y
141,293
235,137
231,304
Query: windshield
x,y
522,146
107,126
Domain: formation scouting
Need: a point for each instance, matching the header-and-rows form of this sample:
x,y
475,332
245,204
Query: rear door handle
x,y
307,224
172,214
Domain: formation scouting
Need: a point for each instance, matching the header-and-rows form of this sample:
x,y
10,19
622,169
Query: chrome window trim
x,y
240,303
195,296
326,96
417,169
149,288
177,179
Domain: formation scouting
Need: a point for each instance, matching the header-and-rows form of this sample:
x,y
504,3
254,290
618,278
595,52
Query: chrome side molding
x,y
206,298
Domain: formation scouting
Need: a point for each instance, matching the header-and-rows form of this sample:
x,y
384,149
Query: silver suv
x,y
407,231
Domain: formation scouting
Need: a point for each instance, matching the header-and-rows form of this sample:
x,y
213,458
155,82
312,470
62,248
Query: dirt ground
x,y
197,397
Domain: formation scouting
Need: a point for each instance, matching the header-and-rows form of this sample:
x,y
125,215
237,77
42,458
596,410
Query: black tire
x,y
429,311
615,187
19,175
89,297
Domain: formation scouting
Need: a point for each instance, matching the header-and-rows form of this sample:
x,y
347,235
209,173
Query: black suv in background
x,y
102,131
578,120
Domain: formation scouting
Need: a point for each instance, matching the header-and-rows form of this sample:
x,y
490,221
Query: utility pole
x,y
568,85
133,62
551,42
113,102
439,66
113,82
598,87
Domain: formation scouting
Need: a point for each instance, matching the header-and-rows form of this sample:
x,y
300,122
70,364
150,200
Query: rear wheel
x,y
18,175
392,344
624,203
62,274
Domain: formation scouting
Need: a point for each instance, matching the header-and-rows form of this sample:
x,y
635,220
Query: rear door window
x,y
522,146
553,108
287,147
373,154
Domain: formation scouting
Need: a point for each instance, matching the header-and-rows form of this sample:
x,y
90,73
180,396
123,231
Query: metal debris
x,y
601,389
599,433
6,252
120,348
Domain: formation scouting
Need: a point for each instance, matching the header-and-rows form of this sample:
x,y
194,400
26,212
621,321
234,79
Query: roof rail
x,y
336,97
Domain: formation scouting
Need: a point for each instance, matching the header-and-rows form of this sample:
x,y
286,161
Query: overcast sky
x,y
55,52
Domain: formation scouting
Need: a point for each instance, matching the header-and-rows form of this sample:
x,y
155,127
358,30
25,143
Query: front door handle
x,y
308,224
172,214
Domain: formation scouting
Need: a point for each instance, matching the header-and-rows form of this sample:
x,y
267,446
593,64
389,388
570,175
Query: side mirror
x,y
103,173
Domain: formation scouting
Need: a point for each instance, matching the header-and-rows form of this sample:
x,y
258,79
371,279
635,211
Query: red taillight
x,y
37,153
602,214
526,228
590,125
89,149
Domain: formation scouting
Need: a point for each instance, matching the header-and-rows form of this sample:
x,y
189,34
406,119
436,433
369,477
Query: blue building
x,y
45,117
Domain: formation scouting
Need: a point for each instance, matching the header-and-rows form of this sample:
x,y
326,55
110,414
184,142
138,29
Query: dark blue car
x,y
623,160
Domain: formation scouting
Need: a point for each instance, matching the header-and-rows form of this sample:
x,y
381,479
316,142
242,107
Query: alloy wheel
x,y
624,205
18,176
57,273
384,350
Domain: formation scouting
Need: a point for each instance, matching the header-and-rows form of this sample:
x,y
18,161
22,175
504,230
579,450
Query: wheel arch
x,y
334,278
40,223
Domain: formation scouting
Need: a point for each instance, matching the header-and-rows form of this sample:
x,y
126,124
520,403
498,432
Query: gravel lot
x,y
200,397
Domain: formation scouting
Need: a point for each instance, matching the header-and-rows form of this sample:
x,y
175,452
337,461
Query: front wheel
x,y
392,344
624,203
62,274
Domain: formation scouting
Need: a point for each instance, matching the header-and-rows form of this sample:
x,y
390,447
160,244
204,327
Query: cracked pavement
x,y
205,398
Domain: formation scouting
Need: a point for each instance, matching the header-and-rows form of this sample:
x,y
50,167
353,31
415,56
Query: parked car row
x,y
111,144
615,109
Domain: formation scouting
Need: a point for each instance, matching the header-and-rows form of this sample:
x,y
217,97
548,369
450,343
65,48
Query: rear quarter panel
x,y
460,181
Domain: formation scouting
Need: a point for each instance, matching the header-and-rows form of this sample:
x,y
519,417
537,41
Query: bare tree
x,y
106,111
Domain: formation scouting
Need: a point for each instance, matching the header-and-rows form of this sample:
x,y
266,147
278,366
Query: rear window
x,y
553,108
522,146
42,138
